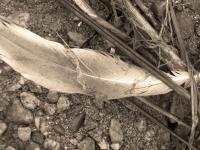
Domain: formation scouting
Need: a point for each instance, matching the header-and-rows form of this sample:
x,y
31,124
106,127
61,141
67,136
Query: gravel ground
x,y
34,118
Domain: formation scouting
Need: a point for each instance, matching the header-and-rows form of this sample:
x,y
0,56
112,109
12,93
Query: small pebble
x,y
3,127
74,141
149,135
44,127
2,115
37,137
15,87
18,114
90,124
197,29
22,80
115,131
50,109
103,144
96,134
59,129
115,146
87,144
63,104
38,118
75,18
19,144
77,38
33,146
51,144
77,122
33,87
37,121
52,96
24,133
29,100
10,148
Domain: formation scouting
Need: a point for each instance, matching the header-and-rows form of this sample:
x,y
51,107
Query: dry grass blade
x,y
76,70
89,11
148,13
134,56
194,107
168,53
131,105
194,89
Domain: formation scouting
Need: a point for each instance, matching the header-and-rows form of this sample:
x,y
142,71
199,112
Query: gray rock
x,y
63,104
97,135
103,144
115,131
19,144
77,38
73,141
34,88
15,87
18,114
37,122
51,144
24,133
2,115
3,127
59,129
149,135
77,122
197,29
37,137
75,18
29,100
50,109
90,124
44,126
22,80
52,97
115,146
10,148
33,146
87,144
38,117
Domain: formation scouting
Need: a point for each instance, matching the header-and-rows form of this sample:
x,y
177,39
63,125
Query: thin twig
x,y
134,56
131,105
194,89
168,53
86,42
163,112
178,32
165,20
89,11
148,13
194,105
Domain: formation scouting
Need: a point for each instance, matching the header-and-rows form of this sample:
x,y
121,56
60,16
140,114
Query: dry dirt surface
x,y
34,118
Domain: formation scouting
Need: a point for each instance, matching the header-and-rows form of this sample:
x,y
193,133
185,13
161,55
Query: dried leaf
x,y
76,70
